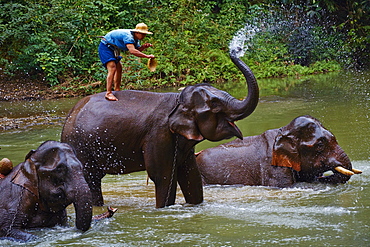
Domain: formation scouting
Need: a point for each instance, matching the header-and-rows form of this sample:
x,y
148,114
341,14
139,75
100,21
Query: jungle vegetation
x,y
58,39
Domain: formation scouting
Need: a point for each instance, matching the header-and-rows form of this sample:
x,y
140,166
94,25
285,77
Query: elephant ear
x,y
182,119
26,177
183,123
285,152
29,154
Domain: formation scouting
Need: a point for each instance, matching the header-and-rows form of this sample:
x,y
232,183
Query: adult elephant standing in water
x,y
156,132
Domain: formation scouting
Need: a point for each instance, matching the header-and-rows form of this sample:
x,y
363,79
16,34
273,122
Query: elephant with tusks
x,y
302,151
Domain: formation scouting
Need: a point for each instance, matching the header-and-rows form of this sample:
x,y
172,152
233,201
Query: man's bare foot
x,y
110,96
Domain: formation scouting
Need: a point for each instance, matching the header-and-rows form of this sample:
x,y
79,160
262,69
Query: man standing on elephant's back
x,y
109,53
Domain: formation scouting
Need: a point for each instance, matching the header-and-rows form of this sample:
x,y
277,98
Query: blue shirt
x,y
120,38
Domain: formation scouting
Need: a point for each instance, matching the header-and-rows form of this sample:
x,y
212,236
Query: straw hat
x,y
141,28
152,64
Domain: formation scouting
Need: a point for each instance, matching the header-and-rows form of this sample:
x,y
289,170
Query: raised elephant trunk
x,y
242,109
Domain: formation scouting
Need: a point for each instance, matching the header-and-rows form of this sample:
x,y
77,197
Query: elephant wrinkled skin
x,y
155,132
37,191
299,152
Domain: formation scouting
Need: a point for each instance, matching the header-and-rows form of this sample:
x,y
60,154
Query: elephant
x,y
37,191
302,151
155,132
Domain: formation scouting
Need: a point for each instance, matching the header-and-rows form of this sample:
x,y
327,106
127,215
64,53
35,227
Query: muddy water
x,y
305,215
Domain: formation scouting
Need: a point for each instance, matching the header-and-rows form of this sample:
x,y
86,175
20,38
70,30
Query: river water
x,y
305,215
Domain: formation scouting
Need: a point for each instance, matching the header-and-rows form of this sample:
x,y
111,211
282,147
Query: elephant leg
x,y
13,220
93,179
165,181
165,193
190,181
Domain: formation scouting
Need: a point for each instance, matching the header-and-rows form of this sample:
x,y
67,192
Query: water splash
x,y
242,39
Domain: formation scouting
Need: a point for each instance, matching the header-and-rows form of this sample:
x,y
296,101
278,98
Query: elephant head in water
x,y
301,151
37,191
155,132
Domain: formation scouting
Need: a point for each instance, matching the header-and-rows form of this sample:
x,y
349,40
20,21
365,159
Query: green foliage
x,y
344,25
59,38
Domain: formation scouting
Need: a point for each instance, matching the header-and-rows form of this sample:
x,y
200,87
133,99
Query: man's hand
x,y
146,45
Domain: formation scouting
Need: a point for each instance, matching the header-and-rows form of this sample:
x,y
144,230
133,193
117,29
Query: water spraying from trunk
x,y
242,39
238,46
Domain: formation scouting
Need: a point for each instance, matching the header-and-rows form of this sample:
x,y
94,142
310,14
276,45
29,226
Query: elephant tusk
x,y
344,171
196,154
356,171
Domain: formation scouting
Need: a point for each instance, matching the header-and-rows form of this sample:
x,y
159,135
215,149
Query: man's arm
x,y
131,48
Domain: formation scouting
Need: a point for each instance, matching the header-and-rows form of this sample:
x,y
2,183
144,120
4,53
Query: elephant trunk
x,y
242,109
83,206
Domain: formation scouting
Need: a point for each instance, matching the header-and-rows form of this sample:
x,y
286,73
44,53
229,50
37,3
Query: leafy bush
x,y
59,38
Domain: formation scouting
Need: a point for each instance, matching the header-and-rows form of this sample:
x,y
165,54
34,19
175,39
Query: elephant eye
x,y
215,105
320,145
60,171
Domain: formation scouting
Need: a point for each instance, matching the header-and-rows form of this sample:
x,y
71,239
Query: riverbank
x,y
27,87
23,87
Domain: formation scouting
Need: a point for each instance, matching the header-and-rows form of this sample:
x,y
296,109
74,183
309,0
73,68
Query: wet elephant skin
x,y
37,191
298,152
155,132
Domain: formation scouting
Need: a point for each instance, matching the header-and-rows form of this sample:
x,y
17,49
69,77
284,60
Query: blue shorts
x,y
106,54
